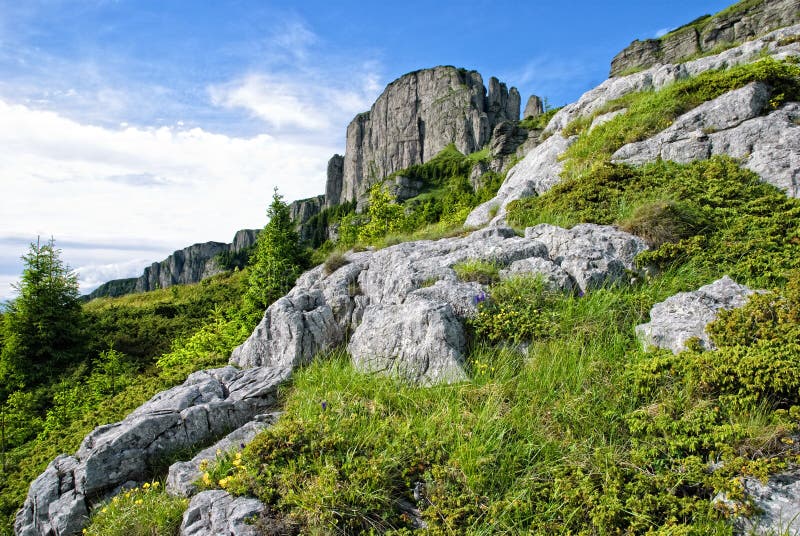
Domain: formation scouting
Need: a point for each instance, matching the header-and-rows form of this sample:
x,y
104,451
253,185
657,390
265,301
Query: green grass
x,y
142,511
477,270
571,437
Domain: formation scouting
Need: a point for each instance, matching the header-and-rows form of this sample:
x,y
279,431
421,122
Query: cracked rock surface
x,y
403,304
732,124
206,406
217,513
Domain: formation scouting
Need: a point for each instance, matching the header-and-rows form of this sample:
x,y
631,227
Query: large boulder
x,y
206,406
685,315
217,513
421,341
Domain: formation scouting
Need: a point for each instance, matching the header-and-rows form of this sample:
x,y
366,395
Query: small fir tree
x,y
277,259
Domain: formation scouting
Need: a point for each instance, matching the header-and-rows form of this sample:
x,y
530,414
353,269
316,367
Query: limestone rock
x,y
397,300
685,315
302,210
732,124
506,139
416,117
778,504
554,277
593,255
534,107
183,475
293,330
535,174
334,181
421,341
728,27
207,405
540,169
217,513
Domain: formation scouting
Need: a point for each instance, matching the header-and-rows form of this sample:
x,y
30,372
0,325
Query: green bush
x,y
334,261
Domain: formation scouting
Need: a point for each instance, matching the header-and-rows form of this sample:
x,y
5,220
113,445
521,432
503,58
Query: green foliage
x,y
145,511
230,260
384,215
725,220
277,260
480,271
319,223
650,112
540,121
43,326
661,222
518,310
144,325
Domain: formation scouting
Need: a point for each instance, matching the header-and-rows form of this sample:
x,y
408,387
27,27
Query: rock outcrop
x,y
185,266
401,310
417,116
776,501
534,107
541,168
732,124
738,23
216,513
334,181
401,303
206,406
686,315
182,476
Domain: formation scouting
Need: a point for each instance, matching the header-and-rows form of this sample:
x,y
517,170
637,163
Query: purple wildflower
x,y
324,405
480,297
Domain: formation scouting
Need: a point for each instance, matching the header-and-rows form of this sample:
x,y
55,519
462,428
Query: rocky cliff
x,y
188,265
736,24
417,116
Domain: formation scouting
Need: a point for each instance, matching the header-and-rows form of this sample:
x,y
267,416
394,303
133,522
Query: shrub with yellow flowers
x,y
146,510
225,471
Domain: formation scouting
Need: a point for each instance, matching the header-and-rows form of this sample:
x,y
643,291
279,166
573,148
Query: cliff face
x,y
417,116
740,22
184,266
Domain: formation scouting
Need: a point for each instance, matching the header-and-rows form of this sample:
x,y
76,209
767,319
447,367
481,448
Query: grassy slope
x,y
185,328
583,433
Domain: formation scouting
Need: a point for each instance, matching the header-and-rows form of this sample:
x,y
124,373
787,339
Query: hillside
x,y
584,322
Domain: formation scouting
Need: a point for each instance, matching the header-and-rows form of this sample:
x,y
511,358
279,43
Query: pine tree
x,y
277,259
42,327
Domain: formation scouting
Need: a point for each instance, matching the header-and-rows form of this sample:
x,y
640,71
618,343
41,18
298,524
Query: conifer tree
x,y
277,259
42,327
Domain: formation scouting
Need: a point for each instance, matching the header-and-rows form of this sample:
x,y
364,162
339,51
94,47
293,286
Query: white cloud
x,y
299,100
166,186
662,32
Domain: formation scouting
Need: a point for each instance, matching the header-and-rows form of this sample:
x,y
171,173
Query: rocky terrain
x,y
732,26
185,266
401,310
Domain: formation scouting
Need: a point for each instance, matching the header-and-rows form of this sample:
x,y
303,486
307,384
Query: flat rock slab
x,y
686,315
217,513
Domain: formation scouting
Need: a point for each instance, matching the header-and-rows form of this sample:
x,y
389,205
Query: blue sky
x,y
129,129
